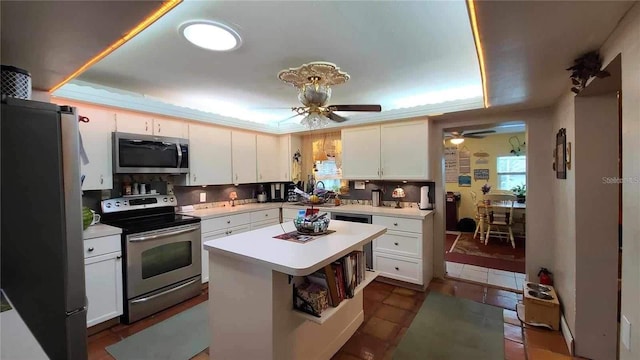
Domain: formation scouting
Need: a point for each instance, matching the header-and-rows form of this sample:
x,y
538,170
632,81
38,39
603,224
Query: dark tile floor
x,y
388,311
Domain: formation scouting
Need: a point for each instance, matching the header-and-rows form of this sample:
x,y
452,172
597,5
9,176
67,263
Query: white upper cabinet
x,y
361,153
209,155
97,139
268,161
396,151
170,128
127,122
243,155
404,151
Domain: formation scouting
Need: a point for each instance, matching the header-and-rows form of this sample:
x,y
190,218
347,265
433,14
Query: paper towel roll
x,y
424,198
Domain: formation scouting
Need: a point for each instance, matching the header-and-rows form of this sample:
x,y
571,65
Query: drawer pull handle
x,y
230,231
395,224
395,243
397,268
266,214
90,249
119,257
228,221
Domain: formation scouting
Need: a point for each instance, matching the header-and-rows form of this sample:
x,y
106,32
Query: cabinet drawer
x,y
224,222
261,224
402,224
101,245
400,243
398,268
264,215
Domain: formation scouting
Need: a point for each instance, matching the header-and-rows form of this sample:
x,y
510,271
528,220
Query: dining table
x,y
482,211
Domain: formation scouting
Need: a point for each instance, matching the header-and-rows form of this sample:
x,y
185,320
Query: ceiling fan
x,y
314,81
457,137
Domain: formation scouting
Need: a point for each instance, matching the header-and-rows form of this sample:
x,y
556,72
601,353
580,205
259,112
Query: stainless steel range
x,y
162,252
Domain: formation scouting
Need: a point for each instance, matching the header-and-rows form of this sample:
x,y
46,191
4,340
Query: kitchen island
x,y
251,293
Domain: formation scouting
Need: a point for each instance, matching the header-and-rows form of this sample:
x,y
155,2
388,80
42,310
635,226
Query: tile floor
x,y
499,278
389,311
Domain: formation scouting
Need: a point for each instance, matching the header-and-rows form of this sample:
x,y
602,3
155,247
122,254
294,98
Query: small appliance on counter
x,y
262,194
376,197
279,192
398,194
425,199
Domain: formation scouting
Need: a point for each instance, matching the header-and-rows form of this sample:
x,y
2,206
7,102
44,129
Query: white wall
x,y
626,40
539,146
596,225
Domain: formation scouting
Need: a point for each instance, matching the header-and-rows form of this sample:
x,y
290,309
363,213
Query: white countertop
x,y
294,258
17,342
100,230
411,213
228,210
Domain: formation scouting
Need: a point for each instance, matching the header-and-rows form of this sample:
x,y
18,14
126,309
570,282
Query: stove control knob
x,y
117,203
108,205
164,199
171,199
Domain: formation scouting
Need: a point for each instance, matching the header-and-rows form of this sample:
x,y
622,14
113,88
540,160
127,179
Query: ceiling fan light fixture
x,y
314,121
457,141
211,35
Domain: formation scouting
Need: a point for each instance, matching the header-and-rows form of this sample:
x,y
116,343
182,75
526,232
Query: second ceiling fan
x,y
314,81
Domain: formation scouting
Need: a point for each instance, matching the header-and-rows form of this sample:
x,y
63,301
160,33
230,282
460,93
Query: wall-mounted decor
x,y
482,161
586,67
464,161
568,156
561,154
481,174
451,164
517,148
464,180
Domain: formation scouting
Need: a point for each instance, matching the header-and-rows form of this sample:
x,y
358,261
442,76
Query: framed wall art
x,y
560,153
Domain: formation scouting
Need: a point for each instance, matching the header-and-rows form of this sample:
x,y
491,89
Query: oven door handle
x,y
161,235
145,299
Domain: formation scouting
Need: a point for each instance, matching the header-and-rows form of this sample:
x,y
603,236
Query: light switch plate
x,y
203,197
625,332
358,185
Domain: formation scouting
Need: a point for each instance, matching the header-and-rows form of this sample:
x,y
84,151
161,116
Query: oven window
x,y
165,258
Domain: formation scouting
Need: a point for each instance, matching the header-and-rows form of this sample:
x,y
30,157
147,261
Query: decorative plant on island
x,y
485,188
520,192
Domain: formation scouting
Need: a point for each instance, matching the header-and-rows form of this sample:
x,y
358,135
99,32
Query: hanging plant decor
x,y
586,67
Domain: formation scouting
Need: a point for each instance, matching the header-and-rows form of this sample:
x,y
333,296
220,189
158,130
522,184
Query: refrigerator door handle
x,y
69,313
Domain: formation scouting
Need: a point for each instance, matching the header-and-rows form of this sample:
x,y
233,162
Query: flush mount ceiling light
x,y
457,141
211,35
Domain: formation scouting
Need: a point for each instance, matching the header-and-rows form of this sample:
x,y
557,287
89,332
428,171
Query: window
x,y
512,171
329,173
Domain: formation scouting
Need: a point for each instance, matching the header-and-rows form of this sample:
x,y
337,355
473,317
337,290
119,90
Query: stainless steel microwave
x,y
148,154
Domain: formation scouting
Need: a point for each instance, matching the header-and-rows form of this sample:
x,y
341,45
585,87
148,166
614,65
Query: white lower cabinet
x,y
103,279
405,251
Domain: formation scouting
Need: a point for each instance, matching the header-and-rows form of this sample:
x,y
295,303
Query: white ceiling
x,y
399,55
51,39
529,44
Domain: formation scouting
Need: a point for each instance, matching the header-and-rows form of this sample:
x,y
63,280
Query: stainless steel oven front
x,y
163,268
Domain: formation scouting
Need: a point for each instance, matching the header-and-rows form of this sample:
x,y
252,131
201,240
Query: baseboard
x,y
400,283
103,326
566,333
453,232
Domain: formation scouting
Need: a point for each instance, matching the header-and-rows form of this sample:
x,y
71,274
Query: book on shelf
x,y
326,278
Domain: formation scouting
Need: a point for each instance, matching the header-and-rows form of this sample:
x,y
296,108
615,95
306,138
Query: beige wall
x,y
626,40
495,145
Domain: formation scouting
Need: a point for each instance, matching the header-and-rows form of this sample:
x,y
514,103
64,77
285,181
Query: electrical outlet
x,y
358,185
625,332
203,197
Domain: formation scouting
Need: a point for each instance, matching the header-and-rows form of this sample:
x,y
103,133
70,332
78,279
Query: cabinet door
x,y
205,254
268,158
134,123
361,153
243,155
404,151
170,128
289,171
97,142
209,155
103,281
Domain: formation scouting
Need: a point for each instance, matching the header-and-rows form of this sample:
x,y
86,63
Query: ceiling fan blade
x,y
372,108
289,118
473,136
336,117
480,132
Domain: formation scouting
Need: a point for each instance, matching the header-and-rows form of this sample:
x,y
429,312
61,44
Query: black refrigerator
x,y
42,261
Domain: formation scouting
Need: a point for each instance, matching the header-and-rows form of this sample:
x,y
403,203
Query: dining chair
x,y
480,215
499,220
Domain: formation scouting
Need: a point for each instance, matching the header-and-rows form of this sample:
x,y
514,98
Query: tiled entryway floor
x,y
389,311
499,278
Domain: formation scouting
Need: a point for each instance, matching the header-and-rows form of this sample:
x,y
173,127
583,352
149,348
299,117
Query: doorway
x,y
483,162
